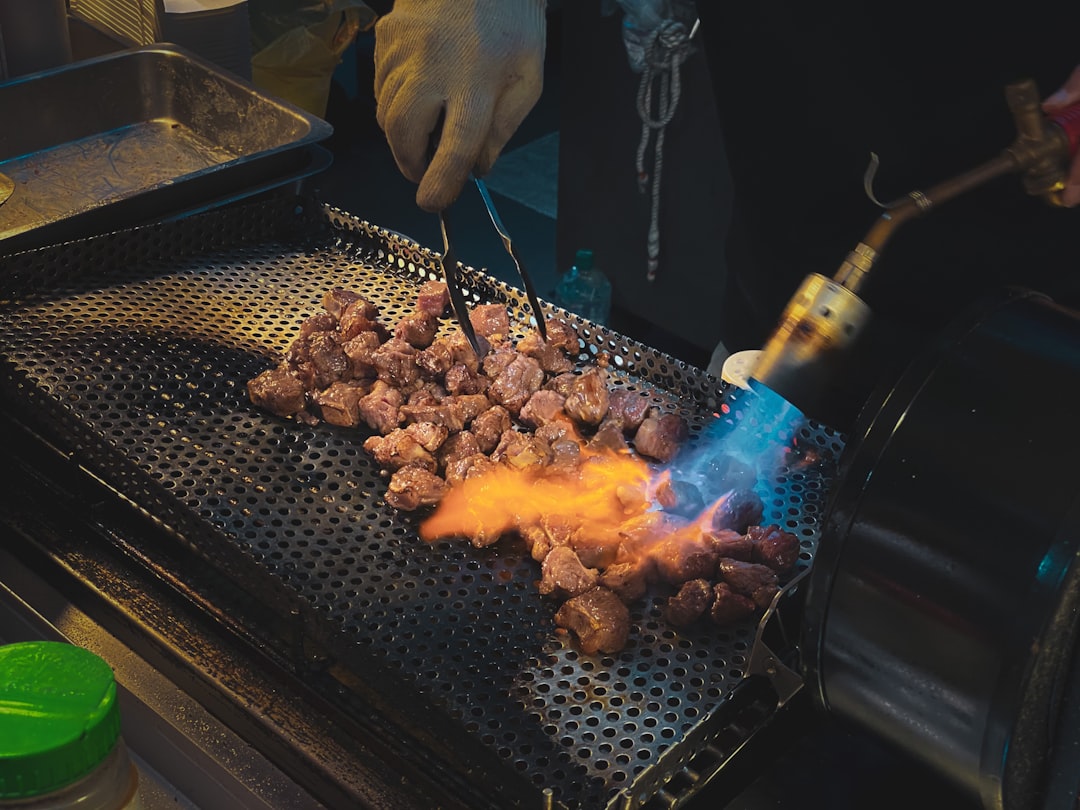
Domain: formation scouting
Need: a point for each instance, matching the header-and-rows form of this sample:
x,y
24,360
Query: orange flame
x,y
597,497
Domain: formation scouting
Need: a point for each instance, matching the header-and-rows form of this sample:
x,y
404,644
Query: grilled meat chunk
x,y
598,619
774,547
457,446
693,601
516,383
490,320
340,403
489,427
543,407
551,357
759,582
395,363
563,575
587,401
629,580
738,510
660,436
732,545
278,390
380,410
433,298
418,329
681,556
627,409
398,449
729,607
335,302
413,487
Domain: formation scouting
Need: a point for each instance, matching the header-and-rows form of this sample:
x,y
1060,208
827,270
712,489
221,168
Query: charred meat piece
x,y
516,383
318,359
457,446
588,400
418,329
563,575
551,358
627,409
354,322
562,336
461,351
730,607
732,544
490,320
496,361
660,436
599,620
433,298
429,436
774,547
693,601
759,582
277,390
398,449
738,510
563,383
521,450
319,322
541,539
460,469
439,413
359,350
460,379
340,403
489,427
609,437
380,410
436,359
680,498
543,407
395,363
629,579
413,487
336,300
684,555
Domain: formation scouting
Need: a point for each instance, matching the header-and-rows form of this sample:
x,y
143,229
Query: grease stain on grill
x,y
143,360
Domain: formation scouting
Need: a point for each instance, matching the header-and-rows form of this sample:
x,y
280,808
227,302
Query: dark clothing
x,y
806,91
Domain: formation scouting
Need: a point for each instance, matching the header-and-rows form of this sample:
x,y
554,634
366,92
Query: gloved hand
x,y
480,60
1066,95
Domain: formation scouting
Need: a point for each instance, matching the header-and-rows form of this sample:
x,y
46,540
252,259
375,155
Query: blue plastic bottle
x,y
584,290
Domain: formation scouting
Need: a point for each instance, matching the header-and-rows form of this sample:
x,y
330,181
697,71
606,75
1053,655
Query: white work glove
x,y
482,61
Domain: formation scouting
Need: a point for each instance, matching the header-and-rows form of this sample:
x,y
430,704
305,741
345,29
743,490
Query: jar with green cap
x,y
60,741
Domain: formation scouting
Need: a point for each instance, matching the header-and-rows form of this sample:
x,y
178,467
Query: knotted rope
x,y
657,99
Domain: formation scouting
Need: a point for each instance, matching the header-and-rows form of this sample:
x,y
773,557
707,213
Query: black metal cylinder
x,y
942,610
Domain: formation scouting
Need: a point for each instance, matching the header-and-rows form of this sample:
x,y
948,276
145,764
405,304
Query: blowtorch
x,y
824,319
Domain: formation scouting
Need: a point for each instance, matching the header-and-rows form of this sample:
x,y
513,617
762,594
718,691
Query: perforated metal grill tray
x,y
133,350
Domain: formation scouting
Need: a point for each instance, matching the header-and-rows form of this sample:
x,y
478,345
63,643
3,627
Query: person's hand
x,y
1066,95
481,61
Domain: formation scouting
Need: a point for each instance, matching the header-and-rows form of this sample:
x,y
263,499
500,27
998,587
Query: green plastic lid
x,y
583,260
58,716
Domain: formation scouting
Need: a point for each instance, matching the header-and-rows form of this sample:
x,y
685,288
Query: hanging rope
x,y
657,100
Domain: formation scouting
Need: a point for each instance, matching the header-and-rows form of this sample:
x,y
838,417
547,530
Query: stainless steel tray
x,y
131,137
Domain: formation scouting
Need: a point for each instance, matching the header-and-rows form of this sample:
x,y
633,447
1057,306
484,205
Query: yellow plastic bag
x,y
298,65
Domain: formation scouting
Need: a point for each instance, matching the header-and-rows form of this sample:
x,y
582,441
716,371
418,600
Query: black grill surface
x,y
133,351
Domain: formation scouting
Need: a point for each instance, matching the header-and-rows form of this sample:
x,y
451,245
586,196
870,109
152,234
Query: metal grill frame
x,y
132,351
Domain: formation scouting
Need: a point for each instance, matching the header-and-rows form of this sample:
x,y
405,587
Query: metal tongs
x,y
450,263
508,243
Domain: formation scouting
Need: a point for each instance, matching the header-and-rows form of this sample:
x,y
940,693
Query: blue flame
x,y
749,442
